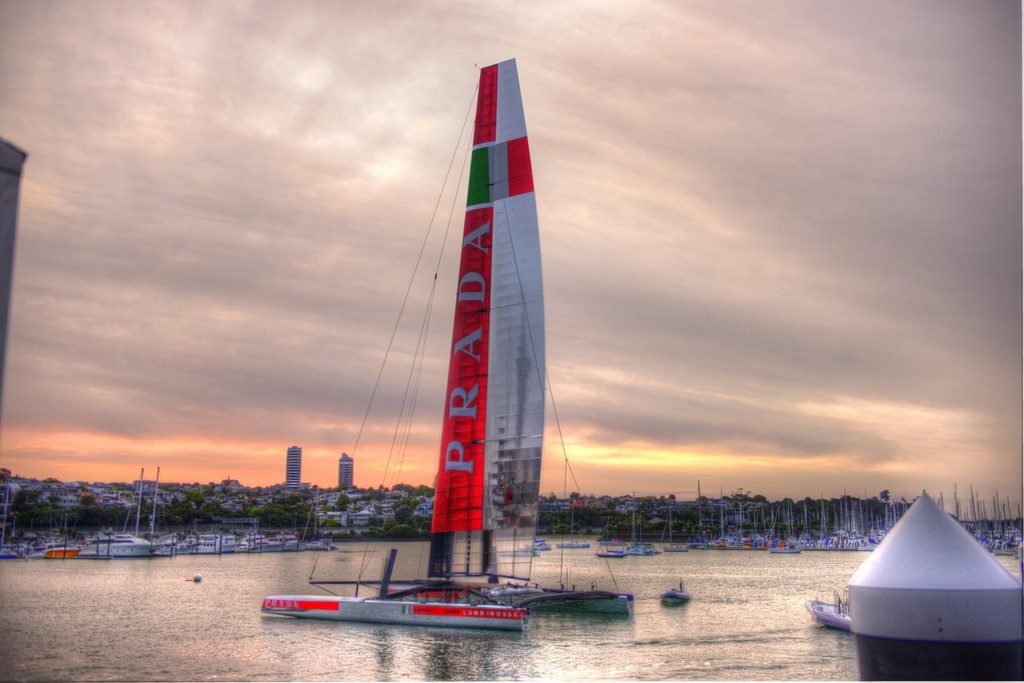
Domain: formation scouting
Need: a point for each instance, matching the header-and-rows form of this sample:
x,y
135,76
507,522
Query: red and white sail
x,y
488,479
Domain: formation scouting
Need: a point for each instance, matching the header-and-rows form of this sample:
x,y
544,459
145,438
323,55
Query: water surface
x,y
132,620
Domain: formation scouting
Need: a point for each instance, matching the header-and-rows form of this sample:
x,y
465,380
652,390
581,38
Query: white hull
x,y
828,614
213,544
406,613
261,548
118,546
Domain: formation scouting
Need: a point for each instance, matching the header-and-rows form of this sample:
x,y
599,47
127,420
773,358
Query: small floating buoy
x,y
197,578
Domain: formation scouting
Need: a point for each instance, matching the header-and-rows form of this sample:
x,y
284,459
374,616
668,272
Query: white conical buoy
x,y
931,603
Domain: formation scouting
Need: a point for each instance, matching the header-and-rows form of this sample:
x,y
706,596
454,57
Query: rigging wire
x,y
545,382
404,430
405,301
408,291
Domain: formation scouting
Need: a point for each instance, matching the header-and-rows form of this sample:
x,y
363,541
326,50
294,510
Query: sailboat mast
x,y
152,517
138,501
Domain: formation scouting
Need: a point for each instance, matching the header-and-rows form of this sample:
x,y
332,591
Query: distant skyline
x,y
781,241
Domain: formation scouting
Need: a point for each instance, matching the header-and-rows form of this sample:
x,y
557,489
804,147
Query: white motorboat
x,y
115,546
258,543
215,544
171,546
321,544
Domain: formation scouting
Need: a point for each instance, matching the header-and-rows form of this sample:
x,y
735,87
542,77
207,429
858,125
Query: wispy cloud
x,y
781,242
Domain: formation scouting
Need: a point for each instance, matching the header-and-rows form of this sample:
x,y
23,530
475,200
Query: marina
x,y
148,620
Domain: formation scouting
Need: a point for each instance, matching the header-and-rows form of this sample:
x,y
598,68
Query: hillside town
x,y
51,507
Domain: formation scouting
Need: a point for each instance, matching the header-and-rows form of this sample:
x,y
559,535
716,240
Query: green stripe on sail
x,y
479,178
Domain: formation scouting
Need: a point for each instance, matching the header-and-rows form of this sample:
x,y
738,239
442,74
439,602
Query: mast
x,y
152,517
700,514
488,476
138,502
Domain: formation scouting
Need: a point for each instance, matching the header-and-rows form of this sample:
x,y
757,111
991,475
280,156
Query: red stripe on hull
x,y
272,603
469,612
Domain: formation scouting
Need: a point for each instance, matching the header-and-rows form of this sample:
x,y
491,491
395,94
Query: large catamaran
x,y
489,465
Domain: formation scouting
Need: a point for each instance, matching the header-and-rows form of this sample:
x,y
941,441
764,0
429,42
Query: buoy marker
x,y
931,603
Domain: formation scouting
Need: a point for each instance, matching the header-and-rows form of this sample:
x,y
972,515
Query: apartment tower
x,y
293,468
346,470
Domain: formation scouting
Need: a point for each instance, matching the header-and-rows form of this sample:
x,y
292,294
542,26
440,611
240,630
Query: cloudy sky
x,y
781,241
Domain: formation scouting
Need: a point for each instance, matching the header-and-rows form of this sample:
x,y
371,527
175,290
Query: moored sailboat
x,y
488,477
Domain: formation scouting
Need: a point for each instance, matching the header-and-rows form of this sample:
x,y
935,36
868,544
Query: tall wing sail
x,y
488,480
11,161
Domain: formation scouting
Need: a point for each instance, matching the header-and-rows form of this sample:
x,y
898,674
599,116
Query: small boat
x,y
611,553
321,544
53,548
834,614
541,544
785,550
215,544
675,596
641,548
573,544
9,553
289,543
61,549
258,543
171,546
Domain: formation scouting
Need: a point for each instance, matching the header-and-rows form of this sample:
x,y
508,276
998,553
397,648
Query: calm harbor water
x,y
134,620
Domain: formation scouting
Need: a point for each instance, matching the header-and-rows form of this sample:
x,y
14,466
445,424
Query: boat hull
x,y
827,614
589,602
401,612
674,597
118,546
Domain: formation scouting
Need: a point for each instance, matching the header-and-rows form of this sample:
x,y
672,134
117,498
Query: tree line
x,y
738,513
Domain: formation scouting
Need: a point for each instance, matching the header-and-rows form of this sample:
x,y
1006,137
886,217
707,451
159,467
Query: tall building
x,y
293,468
346,470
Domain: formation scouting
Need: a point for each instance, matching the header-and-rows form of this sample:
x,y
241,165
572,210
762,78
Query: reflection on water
x,y
127,620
